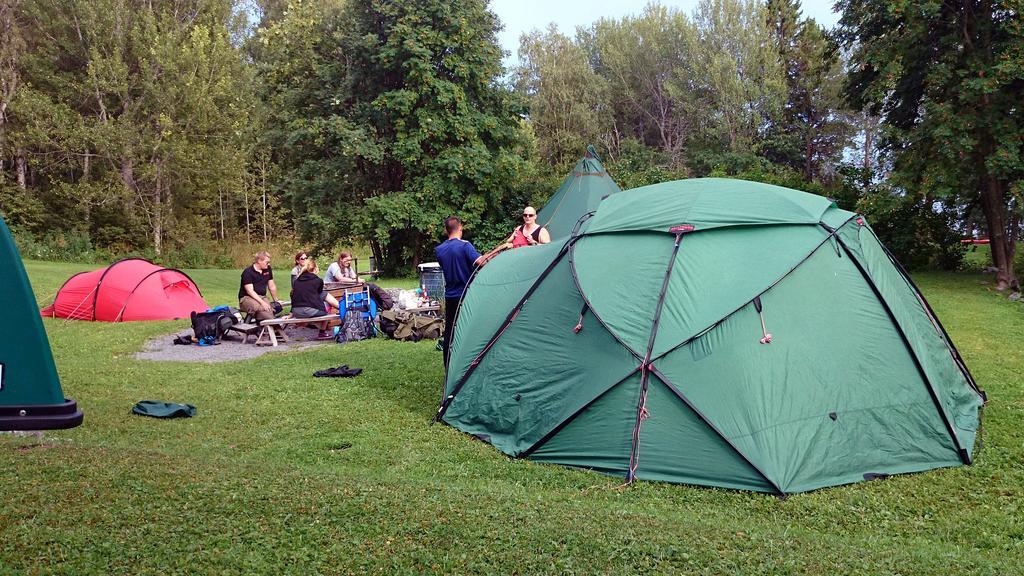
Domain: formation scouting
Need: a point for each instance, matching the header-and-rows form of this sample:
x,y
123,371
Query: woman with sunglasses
x,y
300,261
530,233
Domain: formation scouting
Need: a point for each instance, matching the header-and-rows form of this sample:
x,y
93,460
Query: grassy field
x,y
283,473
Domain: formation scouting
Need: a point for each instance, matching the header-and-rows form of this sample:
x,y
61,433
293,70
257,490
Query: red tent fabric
x,y
131,289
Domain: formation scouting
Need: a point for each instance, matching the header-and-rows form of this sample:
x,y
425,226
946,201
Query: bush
x,y
58,246
920,234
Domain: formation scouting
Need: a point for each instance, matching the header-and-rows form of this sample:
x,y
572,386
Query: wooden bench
x,y
245,329
266,329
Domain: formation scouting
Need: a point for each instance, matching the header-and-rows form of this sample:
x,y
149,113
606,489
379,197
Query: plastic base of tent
x,y
40,416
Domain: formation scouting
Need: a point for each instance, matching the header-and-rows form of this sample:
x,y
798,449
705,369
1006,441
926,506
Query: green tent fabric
x,y
581,192
160,409
714,332
30,393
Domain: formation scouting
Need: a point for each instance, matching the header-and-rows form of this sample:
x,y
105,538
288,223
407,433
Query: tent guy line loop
x,y
767,338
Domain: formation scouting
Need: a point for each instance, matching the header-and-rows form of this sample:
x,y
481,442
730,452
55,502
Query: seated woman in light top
x,y
300,261
342,271
309,296
530,233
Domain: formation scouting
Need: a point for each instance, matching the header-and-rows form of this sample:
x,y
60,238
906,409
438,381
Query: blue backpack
x,y
357,312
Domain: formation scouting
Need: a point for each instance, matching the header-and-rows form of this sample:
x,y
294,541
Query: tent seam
x,y
144,278
572,417
586,300
954,352
682,398
96,295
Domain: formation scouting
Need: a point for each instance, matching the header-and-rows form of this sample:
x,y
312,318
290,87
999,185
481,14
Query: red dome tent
x,y
130,289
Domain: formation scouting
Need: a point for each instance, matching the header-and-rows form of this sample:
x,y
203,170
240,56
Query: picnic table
x,y
266,329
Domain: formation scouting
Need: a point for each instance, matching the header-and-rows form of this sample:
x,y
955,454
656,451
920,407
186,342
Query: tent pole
x,y
645,364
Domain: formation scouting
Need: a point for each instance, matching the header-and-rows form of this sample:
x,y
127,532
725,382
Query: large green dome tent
x,y
581,191
30,394
713,332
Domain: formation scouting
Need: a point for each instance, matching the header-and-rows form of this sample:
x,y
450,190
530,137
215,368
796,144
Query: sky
x,y
520,16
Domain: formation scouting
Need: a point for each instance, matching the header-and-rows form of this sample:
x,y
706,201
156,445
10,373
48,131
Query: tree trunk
x,y
220,201
128,175
87,208
417,244
378,254
993,205
19,164
248,237
809,155
158,221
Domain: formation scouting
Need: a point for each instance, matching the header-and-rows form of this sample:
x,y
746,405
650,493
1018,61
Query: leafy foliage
x,y
948,79
405,126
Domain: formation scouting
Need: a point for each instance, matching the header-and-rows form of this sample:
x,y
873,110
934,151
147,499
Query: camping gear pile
x,y
409,326
210,327
714,332
357,311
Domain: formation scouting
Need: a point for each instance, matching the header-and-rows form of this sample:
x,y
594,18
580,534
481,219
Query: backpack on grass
x,y
210,327
402,325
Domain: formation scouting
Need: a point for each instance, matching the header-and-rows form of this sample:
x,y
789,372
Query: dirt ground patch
x,y
231,348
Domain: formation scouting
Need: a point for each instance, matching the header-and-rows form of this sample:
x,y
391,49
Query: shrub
x,y
920,234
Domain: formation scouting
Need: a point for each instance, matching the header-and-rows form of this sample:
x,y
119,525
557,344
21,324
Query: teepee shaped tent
x,y
714,332
580,193
30,393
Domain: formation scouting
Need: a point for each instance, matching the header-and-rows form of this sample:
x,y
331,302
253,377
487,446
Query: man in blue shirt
x,y
458,258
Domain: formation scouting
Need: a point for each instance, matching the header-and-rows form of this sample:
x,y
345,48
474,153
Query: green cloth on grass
x,y
158,409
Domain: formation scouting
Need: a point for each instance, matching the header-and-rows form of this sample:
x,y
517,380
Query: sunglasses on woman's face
x,y
528,215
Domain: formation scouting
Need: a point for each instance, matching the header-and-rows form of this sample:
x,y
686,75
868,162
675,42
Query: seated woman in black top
x,y
309,296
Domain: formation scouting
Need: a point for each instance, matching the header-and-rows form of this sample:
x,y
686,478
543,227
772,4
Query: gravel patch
x,y
163,348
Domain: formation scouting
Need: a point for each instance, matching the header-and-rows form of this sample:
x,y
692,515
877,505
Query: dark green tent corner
x,y
714,332
30,394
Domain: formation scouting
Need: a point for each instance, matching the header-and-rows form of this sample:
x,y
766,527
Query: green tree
x,y
564,93
405,125
739,86
132,115
647,64
948,78
813,129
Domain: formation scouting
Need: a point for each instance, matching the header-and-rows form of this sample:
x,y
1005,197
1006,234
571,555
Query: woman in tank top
x,y
530,233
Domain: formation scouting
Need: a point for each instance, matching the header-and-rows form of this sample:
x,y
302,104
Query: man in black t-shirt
x,y
252,293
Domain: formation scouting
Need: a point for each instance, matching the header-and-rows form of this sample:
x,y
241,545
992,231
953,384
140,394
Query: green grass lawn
x,y
284,473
